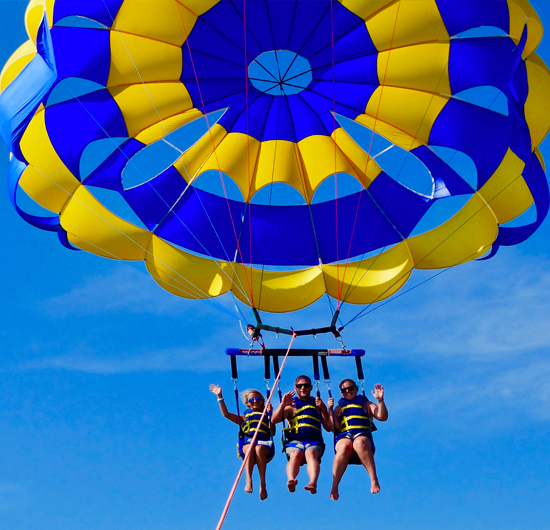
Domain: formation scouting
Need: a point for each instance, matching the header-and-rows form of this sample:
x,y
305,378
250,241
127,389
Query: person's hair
x,y
246,394
302,377
344,380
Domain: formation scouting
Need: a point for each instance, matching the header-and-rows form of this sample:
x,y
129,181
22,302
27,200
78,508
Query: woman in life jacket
x,y
303,437
353,431
263,450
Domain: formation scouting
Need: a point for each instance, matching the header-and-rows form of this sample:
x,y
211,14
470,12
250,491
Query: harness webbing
x,y
247,455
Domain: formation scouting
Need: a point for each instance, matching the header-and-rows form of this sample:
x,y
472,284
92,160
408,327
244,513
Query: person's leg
x,y
362,447
313,467
293,468
261,463
344,449
249,467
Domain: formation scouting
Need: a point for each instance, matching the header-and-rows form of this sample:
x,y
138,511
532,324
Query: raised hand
x,y
217,390
319,403
287,398
330,403
378,392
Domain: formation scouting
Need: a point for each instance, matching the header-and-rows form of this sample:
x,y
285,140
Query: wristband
x,y
380,400
221,399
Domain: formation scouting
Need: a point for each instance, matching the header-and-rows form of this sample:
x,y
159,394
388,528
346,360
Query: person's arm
x,y
272,428
284,409
331,425
217,391
379,411
324,413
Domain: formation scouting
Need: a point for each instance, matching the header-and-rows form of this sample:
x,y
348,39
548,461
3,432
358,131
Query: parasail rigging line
x,y
253,441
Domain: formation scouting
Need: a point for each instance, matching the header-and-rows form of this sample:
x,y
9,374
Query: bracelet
x,y
220,399
380,400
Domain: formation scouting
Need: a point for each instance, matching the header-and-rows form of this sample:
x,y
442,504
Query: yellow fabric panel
x,y
372,279
171,24
321,158
51,182
235,156
279,161
280,292
522,12
191,163
18,60
141,105
136,59
506,192
422,67
407,22
538,154
391,133
161,129
537,106
412,111
184,274
465,237
95,229
366,10
365,169
34,14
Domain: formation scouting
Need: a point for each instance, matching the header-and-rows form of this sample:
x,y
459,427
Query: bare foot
x,y
291,485
248,487
374,486
334,495
312,488
263,493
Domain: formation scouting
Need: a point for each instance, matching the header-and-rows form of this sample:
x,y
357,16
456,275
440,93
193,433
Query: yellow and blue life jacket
x,y
354,421
250,425
306,424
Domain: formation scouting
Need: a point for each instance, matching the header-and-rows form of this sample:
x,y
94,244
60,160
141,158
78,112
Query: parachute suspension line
x,y
248,280
253,442
326,378
365,175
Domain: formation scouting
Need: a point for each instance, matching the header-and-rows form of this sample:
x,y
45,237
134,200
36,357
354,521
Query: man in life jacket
x,y
353,431
303,437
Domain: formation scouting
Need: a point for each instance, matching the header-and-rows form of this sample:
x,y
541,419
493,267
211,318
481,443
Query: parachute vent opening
x,y
29,205
481,31
488,97
71,88
115,203
336,187
529,216
75,21
458,161
97,152
278,194
218,183
160,155
280,73
370,141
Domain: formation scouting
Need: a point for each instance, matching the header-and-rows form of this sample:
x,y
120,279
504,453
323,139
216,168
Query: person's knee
x,y
297,456
362,445
312,455
345,449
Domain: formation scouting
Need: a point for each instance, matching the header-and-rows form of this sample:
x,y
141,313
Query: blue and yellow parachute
x,y
287,75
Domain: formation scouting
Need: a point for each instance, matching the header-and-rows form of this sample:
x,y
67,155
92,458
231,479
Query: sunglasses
x,y
302,385
345,389
256,399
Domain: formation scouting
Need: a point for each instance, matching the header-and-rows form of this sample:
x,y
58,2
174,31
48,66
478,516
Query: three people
x,y
303,437
263,450
351,421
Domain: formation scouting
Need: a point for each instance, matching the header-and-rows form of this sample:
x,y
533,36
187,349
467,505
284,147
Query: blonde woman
x,y
263,450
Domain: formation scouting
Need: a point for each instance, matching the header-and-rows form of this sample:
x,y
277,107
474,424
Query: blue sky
x,y
106,421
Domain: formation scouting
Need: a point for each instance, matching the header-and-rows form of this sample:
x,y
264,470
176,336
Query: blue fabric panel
x,y
82,52
282,15
305,120
103,11
481,134
355,43
109,173
64,240
15,171
308,17
520,138
447,180
351,98
152,200
19,101
281,235
467,14
279,123
91,117
259,108
201,222
481,61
